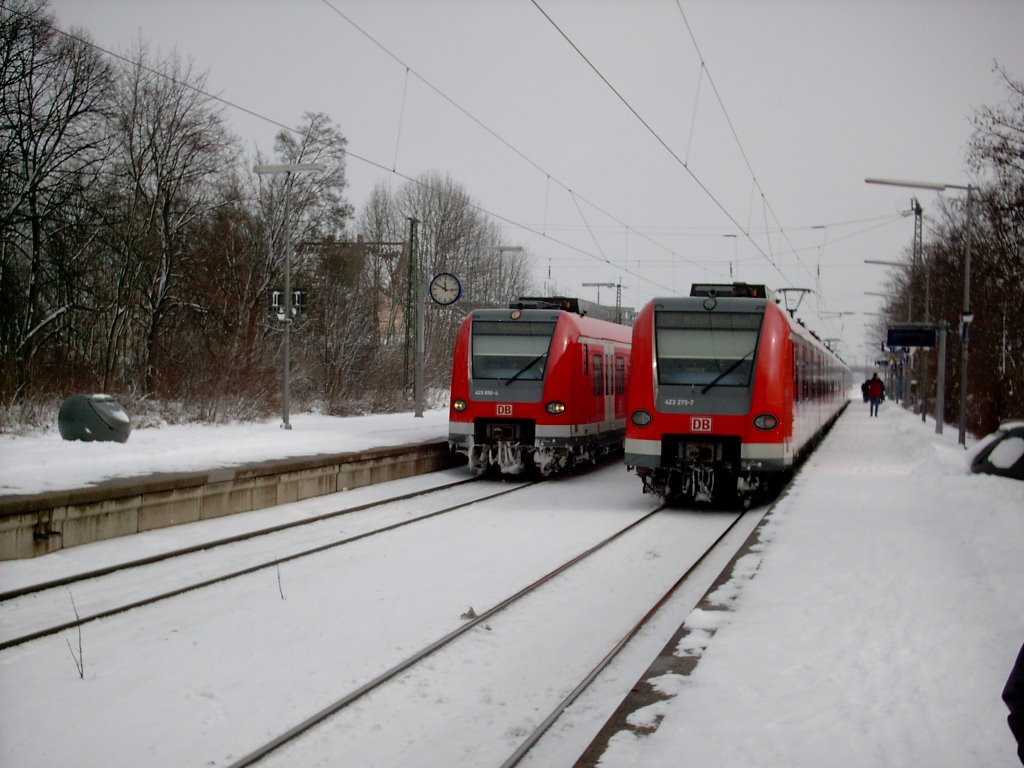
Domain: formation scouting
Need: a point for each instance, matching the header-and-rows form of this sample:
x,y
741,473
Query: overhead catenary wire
x,y
693,115
401,117
375,164
732,127
699,231
494,134
820,301
696,179
583,218
543,231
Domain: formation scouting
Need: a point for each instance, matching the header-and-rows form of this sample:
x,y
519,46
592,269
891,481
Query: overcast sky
x,y
644,184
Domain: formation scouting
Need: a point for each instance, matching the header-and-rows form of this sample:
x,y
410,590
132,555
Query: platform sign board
x,y
911,336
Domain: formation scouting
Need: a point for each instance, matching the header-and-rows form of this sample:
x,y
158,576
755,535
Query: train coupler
x,y
699,483
508,458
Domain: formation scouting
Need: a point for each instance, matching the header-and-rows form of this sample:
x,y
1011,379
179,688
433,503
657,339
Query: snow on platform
x,y
876,626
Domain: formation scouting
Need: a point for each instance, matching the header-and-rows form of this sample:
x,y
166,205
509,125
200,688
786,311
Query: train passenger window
x,y
620,374
796,372
598,369
510,350
706,348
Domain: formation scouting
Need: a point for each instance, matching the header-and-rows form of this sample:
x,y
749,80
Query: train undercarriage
x,y
703,484
507,458
513,449
703,470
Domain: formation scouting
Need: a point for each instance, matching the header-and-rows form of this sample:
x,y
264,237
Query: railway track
x,y
348,621
71,579
29,612
480,622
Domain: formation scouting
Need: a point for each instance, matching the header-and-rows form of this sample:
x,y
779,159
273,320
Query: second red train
x,y
728,392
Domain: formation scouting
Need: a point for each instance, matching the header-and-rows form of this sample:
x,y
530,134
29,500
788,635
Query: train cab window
x,y
510,350
706,348
598,368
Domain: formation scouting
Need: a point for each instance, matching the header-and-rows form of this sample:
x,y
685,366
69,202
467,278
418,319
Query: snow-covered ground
x,y
45,462
881,622
875,625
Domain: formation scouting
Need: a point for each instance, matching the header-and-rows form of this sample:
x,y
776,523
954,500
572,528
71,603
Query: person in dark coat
x,y
876,391
864,389
1013,695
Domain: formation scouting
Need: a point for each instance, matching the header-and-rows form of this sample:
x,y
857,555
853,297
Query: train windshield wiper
x,y
726,372
527,367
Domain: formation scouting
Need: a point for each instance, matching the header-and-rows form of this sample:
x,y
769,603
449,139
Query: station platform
x,y
56,494
874,622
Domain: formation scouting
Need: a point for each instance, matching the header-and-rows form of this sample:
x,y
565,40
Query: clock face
x,y
445,288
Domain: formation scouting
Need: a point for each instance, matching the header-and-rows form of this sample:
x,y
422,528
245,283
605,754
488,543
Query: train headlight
x,y
458,405
766,421
555,408
641,418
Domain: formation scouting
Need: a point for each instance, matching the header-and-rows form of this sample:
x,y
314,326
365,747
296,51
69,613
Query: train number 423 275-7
x,y
679,402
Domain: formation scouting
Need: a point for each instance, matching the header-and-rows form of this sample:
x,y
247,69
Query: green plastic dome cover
x,y
93,418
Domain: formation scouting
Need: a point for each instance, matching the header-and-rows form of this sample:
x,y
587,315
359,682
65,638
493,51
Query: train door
x,y
619,408
597,372
609,390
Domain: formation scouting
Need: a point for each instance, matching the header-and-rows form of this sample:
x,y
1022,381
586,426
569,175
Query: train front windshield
x,y
709,349
511,350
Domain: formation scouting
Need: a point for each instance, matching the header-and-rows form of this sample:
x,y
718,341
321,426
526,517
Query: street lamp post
x,y
618,296
501,250
287,169
599,286
966,317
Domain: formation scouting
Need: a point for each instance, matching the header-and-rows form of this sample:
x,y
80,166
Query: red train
x,y
538,386
727,392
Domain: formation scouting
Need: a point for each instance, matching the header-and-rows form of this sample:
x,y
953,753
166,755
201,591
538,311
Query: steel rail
x,y
37,634
292,733
233,539
516,757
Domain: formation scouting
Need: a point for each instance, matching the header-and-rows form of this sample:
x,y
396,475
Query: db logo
x,y
504,409
700,424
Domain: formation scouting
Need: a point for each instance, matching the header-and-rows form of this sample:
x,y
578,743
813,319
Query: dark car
x,y
1002,453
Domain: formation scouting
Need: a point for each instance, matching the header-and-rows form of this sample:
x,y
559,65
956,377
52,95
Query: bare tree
x,y
134,246
221,351
454,236
997,337
53,92
382,222
306,216
998,141
171,149
996,375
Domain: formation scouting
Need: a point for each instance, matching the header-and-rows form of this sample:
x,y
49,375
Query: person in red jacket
x,y
876,391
